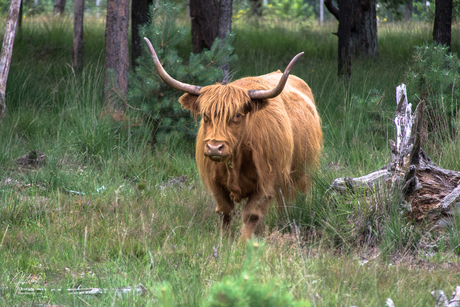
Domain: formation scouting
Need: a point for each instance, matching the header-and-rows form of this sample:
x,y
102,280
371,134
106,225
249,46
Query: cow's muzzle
x,y
216,150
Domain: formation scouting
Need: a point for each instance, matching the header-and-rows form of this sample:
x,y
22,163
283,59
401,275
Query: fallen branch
x,y
83,291
441,298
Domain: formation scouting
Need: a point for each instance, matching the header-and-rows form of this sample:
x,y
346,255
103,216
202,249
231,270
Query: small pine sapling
x,y
151,95
248,289
434,77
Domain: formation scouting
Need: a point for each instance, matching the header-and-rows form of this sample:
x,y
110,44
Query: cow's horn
x,y
183,87
266,94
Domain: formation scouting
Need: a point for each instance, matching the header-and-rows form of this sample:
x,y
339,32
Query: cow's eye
x,y
205,118
237,118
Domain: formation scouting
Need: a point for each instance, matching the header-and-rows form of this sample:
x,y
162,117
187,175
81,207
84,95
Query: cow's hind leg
x,y
253,215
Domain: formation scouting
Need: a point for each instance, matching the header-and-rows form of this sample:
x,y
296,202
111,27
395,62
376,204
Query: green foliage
x,y
433,77
142,229
424,12
453,233
148,92
292,9
279,10
246,288
164,295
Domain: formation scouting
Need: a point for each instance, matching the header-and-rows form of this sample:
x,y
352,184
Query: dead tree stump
x,y
429,192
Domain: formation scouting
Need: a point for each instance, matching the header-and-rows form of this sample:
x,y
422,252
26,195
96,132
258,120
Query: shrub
x,y
433,77
246,289
151,95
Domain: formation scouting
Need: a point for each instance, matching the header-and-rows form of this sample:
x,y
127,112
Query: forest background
x,y
103,207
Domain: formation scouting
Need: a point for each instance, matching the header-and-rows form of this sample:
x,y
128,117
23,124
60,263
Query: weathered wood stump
x,y
429,192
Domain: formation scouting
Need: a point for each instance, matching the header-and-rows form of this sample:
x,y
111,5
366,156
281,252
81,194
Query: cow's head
x,y
224,108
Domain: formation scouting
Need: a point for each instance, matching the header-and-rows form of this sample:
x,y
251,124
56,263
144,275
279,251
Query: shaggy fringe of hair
x,y
221,103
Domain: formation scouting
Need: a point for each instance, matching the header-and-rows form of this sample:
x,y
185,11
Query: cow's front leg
x,y
253,215
224,207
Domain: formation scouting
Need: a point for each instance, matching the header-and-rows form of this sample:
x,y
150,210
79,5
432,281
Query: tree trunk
x,y
19,26
363,39
225,26
59,7
256,8
98,4
408,8
345,23
116,52
442,28
139,16
78,43
7,51
204,15
364,29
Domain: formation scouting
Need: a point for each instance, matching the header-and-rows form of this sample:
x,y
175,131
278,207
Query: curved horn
x,y
183,87
266,94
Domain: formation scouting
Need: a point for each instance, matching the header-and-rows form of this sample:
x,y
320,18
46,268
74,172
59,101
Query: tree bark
x,y
363,38
256,8
344,60
19,26
78,43
225,27
7,51
408,8
59,7
204,15
442,28
139,16
116,52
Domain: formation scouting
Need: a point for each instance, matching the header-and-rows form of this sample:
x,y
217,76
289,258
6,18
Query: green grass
x,y
102,213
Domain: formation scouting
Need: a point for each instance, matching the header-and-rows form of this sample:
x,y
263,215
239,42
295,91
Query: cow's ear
x,y
255,105
190,102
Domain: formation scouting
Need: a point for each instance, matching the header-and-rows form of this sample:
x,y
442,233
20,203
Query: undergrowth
x,y
107,211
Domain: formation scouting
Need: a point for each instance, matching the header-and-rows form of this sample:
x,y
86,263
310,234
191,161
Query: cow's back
x,y
298,101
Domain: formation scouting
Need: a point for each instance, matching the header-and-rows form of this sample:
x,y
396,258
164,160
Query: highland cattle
x,y
259,139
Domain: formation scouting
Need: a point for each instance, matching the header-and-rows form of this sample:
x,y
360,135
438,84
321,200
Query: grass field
x,y
105,211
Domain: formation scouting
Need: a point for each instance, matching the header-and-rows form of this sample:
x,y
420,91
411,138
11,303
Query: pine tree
x,y
149,93
433,77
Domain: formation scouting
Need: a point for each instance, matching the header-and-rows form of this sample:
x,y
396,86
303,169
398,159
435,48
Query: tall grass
x,y
105,211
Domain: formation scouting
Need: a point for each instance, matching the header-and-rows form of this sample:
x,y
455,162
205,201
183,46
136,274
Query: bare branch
x,y
332,9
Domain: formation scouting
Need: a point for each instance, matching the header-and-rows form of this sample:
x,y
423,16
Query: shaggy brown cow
x,y
256,140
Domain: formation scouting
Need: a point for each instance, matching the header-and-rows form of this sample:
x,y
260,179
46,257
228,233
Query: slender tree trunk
x,y
19,26
256,8
139,16
59,7
78,43
7,51
225,26
204,15
346,13
321,11
98,4
408,8
116,52
442,28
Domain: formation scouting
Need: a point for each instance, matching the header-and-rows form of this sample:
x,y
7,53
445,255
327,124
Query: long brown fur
x,y
273,144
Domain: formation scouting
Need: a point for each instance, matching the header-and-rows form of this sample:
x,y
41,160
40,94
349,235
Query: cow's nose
x,y
215,149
